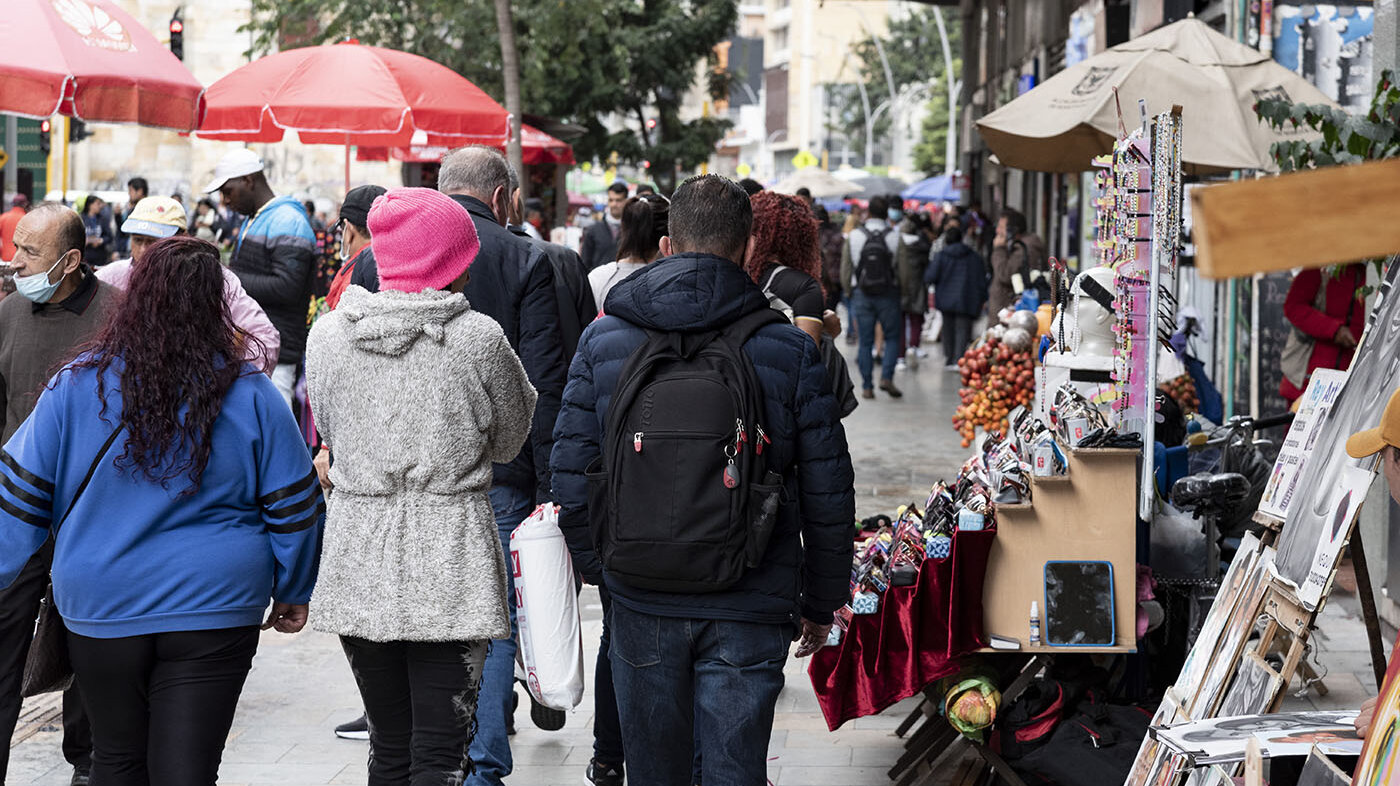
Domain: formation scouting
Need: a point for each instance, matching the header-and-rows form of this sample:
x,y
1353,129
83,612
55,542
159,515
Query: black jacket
x,y
959,280
511,282
807,568
598,246
571,289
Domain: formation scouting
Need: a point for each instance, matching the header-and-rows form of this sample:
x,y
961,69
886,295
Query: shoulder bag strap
x,y
101,454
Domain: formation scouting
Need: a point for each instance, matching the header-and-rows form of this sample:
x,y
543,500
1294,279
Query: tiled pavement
x,y
301,688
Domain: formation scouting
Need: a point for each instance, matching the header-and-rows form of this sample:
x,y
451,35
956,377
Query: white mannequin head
x,y
1094,337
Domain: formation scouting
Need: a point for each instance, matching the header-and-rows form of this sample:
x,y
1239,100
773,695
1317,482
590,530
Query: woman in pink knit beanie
x,y
416,394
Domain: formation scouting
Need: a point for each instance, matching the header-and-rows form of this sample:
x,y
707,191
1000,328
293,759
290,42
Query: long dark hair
x,y
645,221
177,350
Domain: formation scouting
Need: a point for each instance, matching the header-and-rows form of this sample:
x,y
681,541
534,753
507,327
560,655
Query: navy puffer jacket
x,y
807,567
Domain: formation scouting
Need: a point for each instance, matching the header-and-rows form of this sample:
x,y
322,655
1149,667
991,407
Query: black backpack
x,y
875,268
682,499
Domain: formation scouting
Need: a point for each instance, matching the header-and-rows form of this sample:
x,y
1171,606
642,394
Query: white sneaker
x,y
911,358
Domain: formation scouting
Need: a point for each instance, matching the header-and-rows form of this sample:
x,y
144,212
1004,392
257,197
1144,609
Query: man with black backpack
x,y
868,272
704,479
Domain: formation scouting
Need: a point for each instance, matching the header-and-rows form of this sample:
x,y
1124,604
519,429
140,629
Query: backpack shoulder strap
x,y
742,329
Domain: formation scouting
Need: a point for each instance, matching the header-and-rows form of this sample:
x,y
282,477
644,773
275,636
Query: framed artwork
x,y
1253,689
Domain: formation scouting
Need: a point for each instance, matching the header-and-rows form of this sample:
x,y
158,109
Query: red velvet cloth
x,y
916,637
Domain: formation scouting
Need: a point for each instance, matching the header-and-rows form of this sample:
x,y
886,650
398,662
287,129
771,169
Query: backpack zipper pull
x,y
731,475
637,442
741,436
762,440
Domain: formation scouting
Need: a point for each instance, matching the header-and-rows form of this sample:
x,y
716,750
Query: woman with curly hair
x,y
785,259
786,262
182,500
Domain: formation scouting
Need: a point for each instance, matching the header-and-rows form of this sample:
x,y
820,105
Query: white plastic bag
x,y
546,601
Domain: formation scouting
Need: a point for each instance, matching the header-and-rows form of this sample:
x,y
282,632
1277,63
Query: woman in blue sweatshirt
x,y
202,507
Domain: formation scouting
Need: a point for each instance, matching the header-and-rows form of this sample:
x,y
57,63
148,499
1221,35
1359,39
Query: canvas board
x,y
1198,659
1253,689
1375,373
1233,636
1317,401
1222,740
1379,762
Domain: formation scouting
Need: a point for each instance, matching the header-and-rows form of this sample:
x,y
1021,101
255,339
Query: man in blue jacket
x,y
702,672
274,256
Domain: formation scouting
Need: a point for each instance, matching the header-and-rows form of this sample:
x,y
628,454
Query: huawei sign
x,y
93,25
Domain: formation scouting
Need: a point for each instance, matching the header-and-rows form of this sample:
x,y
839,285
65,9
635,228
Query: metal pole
x,y
12,147
869,122
951,152
63,140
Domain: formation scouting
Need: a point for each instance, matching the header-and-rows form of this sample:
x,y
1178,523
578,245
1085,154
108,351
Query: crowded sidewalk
x,y
301,687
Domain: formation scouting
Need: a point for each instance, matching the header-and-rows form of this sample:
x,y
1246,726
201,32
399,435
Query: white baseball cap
x,y
235,163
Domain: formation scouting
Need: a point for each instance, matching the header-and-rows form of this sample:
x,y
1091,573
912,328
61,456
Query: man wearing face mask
x,y
357,258
61,304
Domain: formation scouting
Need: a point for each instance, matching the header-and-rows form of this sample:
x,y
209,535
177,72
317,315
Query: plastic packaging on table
x,y
546,600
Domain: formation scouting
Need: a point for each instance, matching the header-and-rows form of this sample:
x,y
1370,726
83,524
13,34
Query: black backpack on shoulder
x,y
875,269
682,499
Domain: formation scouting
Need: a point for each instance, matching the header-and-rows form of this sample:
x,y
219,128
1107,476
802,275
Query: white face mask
x,y
37,287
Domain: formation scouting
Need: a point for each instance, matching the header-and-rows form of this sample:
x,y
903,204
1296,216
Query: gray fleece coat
x,y
417,395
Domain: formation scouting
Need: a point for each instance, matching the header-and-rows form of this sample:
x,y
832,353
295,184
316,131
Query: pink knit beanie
x,y
421,239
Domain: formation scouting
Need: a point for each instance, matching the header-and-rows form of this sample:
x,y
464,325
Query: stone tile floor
x,y
300,687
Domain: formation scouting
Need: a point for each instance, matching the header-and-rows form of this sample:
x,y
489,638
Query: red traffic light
x,y
176,26
44,126
646,165
651,122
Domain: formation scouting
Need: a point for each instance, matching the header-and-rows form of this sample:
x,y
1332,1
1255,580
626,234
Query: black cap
x,y
355,208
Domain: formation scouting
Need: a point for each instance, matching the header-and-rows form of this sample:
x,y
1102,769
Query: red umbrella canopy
x,y
537,147
90,60
352,94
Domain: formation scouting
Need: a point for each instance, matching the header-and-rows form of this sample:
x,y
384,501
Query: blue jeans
x,y
680,681
490,748
868,310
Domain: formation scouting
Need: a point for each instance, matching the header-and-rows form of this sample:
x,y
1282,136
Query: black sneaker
x,y
357,729
546,718
82,775
602,774
514,705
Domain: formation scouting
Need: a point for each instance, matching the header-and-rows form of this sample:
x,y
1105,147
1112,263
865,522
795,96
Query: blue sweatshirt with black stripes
x,y
136,557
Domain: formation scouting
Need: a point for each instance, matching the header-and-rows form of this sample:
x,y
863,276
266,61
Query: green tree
x,y
914,51
579,61
931,151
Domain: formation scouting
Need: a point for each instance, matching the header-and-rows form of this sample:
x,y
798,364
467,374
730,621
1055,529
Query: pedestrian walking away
x,y
413,577
638,243
194,465
959,281
274,255
701,627
599,244
571,291
155,218
512,282
868,268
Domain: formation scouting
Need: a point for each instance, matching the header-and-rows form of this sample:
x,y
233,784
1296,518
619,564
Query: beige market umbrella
x,y
820,182
1062,124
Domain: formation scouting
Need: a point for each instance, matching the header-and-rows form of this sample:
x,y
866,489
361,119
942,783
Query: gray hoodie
x,y
417,395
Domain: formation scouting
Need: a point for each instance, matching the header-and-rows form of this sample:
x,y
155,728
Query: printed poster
x,y
1302,438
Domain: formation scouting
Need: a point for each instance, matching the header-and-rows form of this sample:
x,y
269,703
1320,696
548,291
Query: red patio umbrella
x,y
348,94
90,60
536,146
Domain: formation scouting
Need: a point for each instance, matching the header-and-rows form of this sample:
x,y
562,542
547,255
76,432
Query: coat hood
x,y
686,292
391,322
958,250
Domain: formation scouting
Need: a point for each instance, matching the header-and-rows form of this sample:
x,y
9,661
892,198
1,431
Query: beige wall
x,y
820,37
174,163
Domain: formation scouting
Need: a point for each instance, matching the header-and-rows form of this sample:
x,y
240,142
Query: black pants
x,y
19,607
957,334
607,729
420,701
162,704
